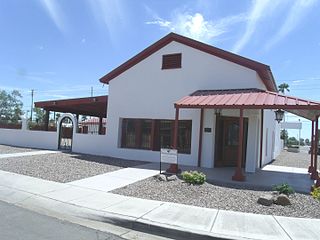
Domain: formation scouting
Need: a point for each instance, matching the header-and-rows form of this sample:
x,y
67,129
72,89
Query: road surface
x,y
20,224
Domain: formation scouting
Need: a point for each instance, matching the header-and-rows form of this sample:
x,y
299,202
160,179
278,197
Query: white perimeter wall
x,y
27,138
146,91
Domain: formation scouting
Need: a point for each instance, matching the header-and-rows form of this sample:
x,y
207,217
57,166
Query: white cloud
x,y
111,14
55,13
196,26
296,13
259,9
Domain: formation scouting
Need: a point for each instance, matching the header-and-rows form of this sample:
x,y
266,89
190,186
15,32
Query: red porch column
x,y
238,175
310,170
174,167
314,174
200,137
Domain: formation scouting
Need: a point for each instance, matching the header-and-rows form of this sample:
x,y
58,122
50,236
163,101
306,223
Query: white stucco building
x,y
143,91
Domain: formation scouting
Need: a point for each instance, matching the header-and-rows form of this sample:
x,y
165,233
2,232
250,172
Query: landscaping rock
x,y
266,200
162,177
172,178
283,200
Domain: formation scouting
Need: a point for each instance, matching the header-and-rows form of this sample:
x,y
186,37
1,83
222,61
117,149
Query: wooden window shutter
x,y
171,61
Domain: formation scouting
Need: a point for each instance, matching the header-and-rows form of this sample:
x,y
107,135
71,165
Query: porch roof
x,y
250,99
91,106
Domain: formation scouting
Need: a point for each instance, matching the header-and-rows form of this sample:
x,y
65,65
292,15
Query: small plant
x,y
283,188
194,177
316,193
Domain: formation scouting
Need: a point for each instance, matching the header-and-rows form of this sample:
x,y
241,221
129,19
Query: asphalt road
x,y
21,224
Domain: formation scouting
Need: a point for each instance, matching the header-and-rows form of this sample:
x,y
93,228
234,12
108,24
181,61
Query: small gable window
x,y
171,61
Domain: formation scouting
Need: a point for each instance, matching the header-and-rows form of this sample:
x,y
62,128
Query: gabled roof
x,y
263,70
249,99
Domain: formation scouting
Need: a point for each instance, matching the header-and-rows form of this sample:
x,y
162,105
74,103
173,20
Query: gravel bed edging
x,y
219,197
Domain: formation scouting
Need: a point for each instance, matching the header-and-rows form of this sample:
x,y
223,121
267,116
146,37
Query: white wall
x,y
146,91
89,144
272,144
27,138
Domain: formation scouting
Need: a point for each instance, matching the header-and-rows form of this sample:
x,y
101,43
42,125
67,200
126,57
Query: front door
x,y
227,141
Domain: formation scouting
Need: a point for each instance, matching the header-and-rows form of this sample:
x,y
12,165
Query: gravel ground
x,y
64,167
289,159
224,198
4,149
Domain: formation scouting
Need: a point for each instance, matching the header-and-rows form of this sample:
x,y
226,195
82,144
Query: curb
x,y
157,229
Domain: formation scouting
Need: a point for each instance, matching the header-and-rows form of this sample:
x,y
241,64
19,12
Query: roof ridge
x,y
262,70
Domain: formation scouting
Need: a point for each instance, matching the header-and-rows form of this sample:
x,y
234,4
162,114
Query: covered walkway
x,y
90,106
243,99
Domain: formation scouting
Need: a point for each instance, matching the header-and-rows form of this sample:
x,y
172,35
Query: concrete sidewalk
x,y
171,219
23,154
112,180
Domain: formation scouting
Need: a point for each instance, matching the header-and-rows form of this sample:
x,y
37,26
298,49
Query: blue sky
x,y
61,48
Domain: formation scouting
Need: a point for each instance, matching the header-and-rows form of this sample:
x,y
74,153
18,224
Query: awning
x,y
250,99
90,106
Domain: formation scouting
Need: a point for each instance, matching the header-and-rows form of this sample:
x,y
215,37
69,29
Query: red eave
x,y
91,106
249,99
263,70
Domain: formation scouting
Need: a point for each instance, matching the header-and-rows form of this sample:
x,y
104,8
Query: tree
x,y
10,106
302,142
292,141
284,135
283,87
40,114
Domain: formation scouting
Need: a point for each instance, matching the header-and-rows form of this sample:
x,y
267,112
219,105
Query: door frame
x,y
219,143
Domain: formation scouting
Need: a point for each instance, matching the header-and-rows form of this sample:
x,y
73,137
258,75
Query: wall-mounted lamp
x,y
279,115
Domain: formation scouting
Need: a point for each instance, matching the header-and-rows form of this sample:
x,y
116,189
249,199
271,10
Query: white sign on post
x,y
168,155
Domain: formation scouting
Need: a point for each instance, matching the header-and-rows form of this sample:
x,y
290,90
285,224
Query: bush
x,y
316,193
283,188
194,177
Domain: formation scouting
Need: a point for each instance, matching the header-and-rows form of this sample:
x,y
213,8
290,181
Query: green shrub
x,y
316,193
283,188
194,177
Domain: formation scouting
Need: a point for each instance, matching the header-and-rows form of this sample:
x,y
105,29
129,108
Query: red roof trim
x,y
246,99
263,70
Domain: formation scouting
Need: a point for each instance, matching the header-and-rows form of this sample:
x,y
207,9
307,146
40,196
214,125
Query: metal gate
x,y
65,134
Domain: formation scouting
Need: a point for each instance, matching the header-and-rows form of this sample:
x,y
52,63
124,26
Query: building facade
x,y
141,112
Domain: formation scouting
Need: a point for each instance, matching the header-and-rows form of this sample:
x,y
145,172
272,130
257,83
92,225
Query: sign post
x,y
168,155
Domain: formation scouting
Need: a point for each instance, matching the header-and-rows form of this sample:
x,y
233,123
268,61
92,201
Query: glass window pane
x,y
146,134
165,133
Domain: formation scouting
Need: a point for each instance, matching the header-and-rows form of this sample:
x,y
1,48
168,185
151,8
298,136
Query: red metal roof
x,y
263,70
91,106
249,99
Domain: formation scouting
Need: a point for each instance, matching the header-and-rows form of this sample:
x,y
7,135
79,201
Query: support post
x,y
200,137
100,126
314,174
238,175
174,167
310,170
46,120
261,138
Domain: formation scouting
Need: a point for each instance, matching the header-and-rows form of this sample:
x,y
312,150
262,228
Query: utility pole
x,y
32,93
91,91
